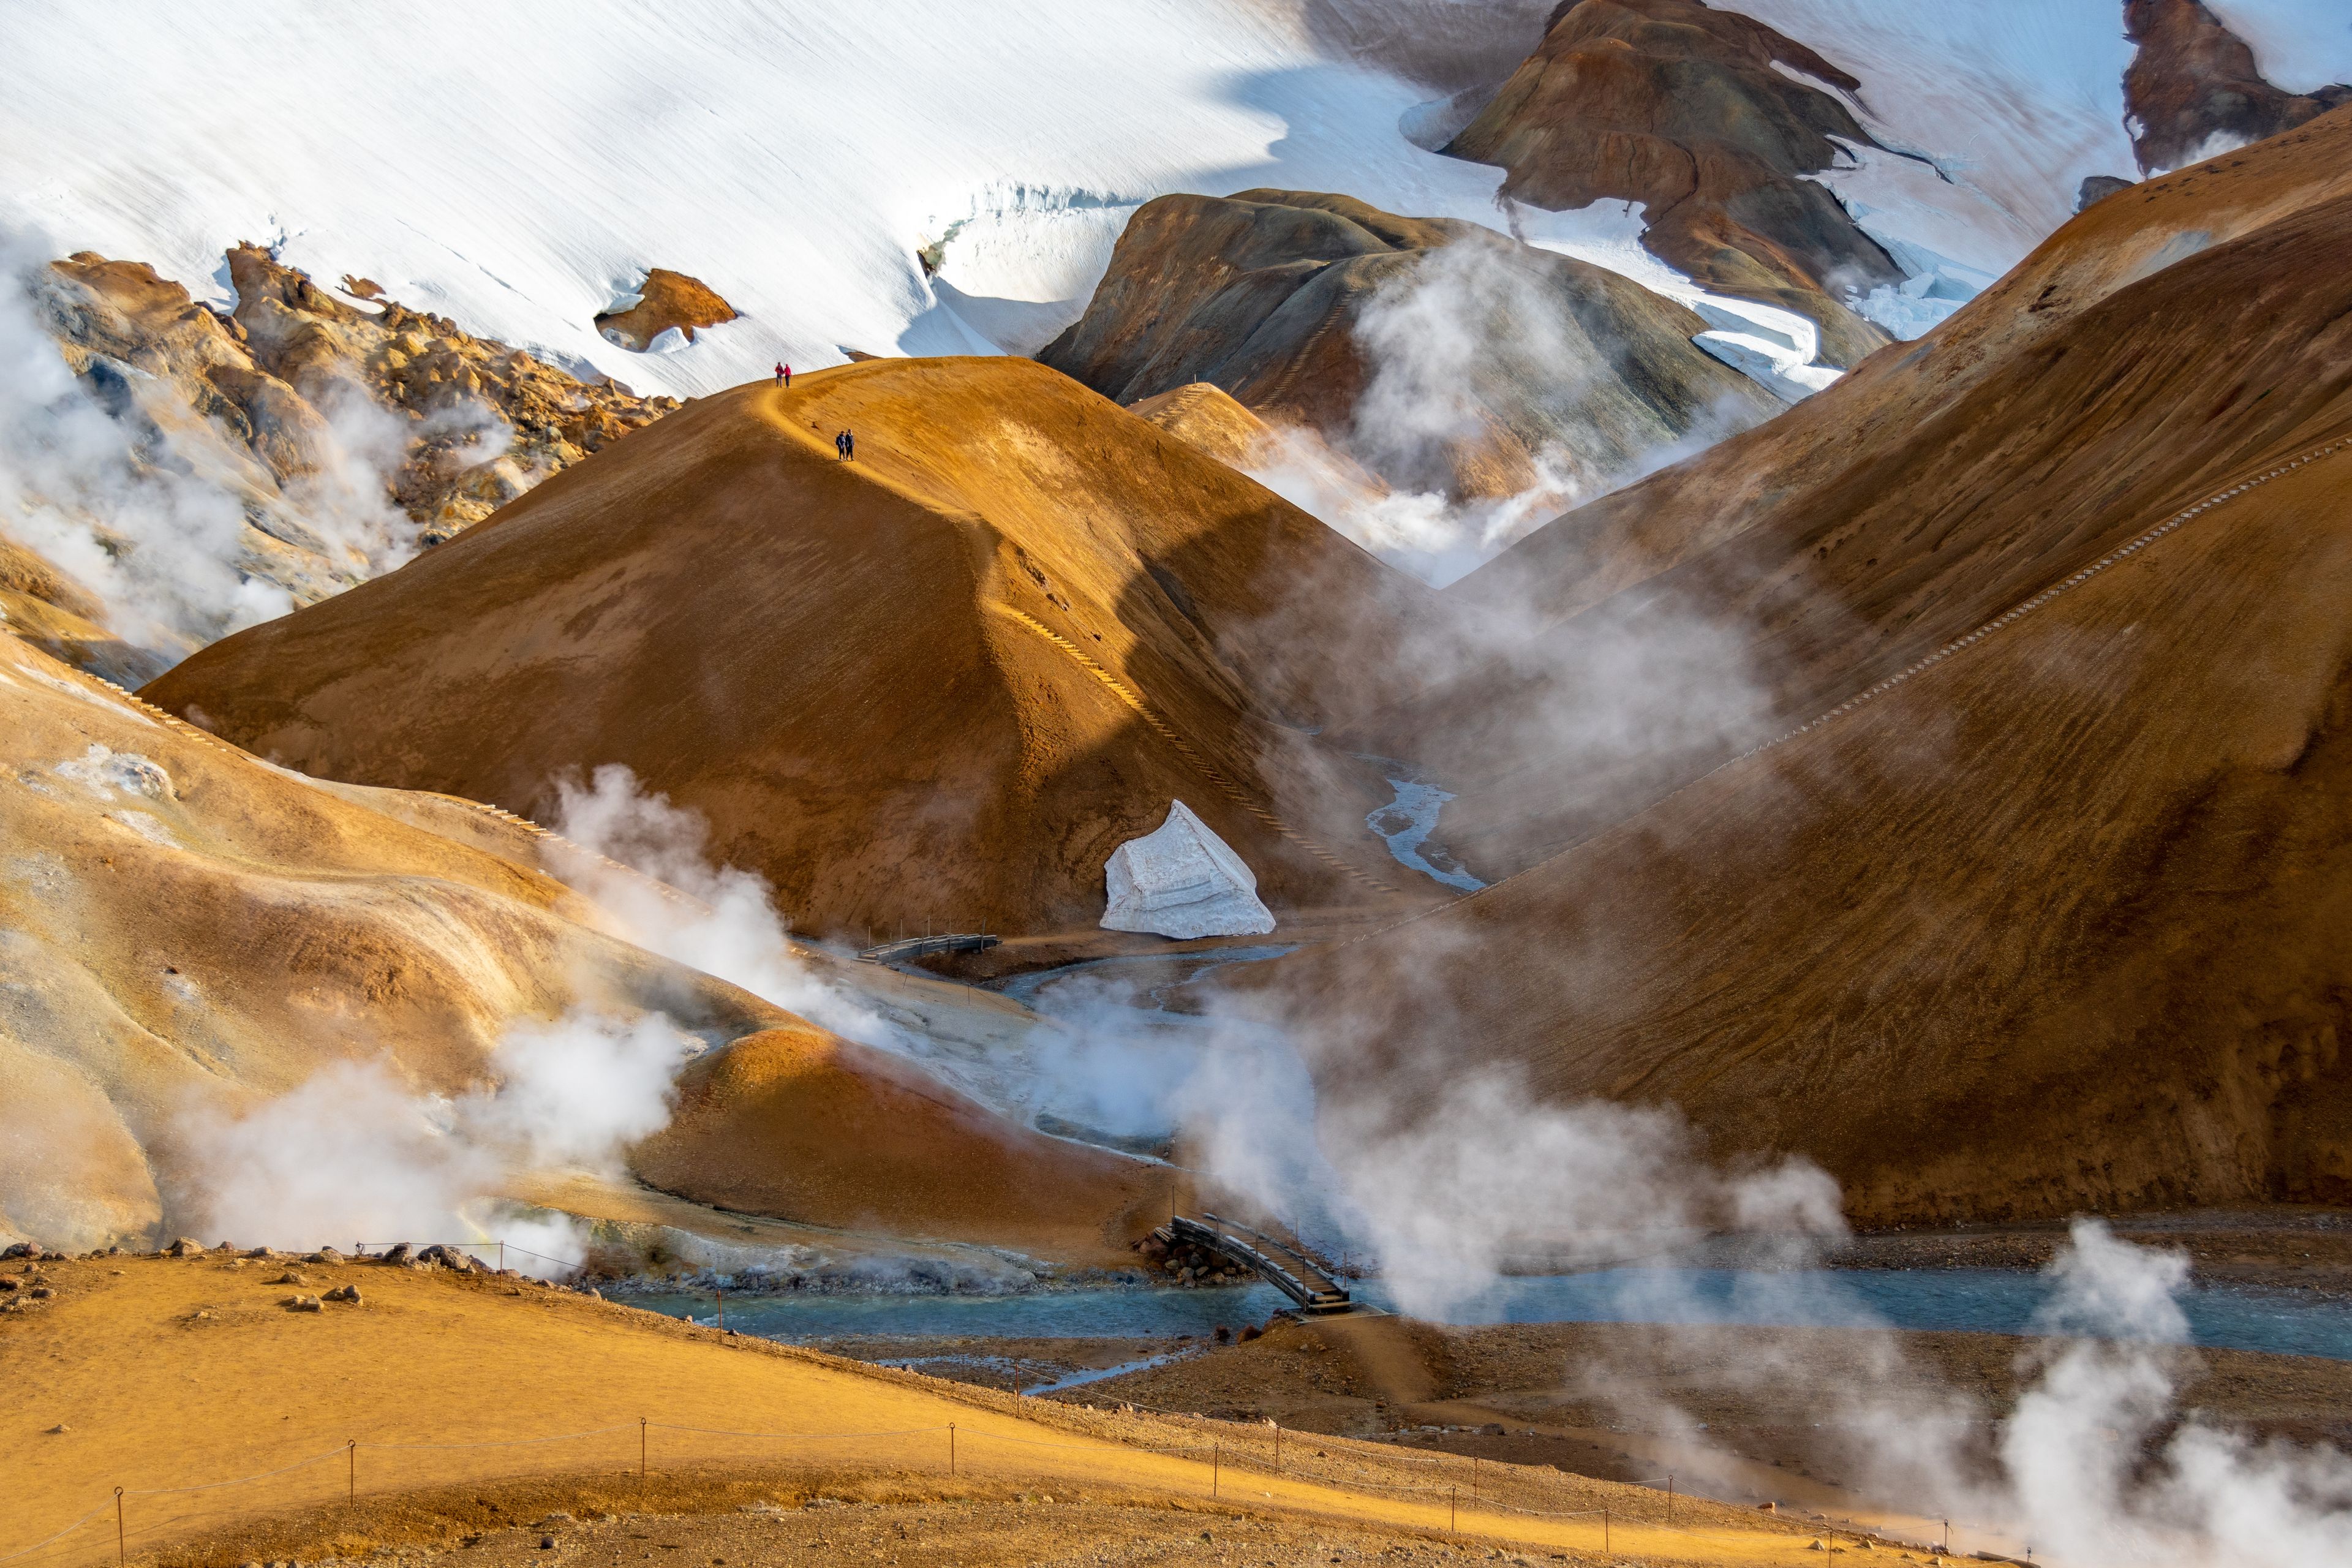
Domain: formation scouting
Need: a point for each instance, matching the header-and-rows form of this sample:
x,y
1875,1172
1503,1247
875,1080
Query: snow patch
x,y
1182,880
1992,115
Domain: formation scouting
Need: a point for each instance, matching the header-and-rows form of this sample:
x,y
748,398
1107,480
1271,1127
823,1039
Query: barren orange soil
x,y
183,1373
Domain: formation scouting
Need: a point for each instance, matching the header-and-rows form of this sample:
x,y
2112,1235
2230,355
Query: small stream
x,y
1406,824
1979,1300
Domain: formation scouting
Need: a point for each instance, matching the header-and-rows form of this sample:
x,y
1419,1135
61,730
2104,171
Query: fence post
x,y
502,1254
119,1551
1474,1478
720,1293
352,1471
1453,1500
1277,1448
951,1448
1604,1527
1670,1497
1216,1458
641,1447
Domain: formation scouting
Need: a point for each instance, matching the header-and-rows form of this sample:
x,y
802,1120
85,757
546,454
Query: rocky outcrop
x,y
667,302
280,379
1182,880
2193,89
1705,118
1439,354
334,437
2098,188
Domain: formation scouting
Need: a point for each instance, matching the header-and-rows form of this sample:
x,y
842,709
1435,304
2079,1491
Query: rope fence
x,y
945,1450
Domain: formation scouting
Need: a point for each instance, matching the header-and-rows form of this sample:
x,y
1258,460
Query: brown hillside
x,y
1269,294
1679,106
940,683
1202,416
188,929
805,1126
2056,922
2147,350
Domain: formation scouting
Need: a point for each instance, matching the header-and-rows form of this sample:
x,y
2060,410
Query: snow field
x,y
2299,45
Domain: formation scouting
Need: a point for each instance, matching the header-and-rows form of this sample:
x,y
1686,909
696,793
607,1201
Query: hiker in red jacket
x,y
784,375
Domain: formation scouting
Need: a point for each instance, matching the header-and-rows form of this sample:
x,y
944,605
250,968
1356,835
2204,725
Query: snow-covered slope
x,y
2004,106
2299,45
518,166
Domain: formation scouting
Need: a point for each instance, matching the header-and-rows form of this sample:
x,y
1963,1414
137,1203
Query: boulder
x,y
1182,880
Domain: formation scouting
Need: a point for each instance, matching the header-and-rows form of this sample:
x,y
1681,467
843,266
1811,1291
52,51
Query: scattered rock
x,y
349,1293
22,1249
186,1246
2098,188
291,1277
547,1543
261,1252
40,1292
304,1304
399,1254
60,1429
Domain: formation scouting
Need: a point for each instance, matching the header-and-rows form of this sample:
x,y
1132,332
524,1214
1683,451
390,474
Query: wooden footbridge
x,y
923,946
1275,1261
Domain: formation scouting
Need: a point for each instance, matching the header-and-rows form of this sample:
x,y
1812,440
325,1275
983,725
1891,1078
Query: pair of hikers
x,y
844,443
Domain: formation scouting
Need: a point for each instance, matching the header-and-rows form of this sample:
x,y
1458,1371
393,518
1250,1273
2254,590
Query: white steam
x,y
730,929
165,518
2095,1466
356,1154
158,546
1471,317
2092,1476
1450,1193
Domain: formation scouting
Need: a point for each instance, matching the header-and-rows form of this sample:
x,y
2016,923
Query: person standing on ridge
x,y
783,375
849,446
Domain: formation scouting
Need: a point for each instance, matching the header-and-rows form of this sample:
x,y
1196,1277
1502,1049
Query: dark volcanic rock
x,y
1298,304
2098,188
2194,81
1683,108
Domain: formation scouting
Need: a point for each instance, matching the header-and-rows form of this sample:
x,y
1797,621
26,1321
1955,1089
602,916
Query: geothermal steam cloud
x,y
1182,880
